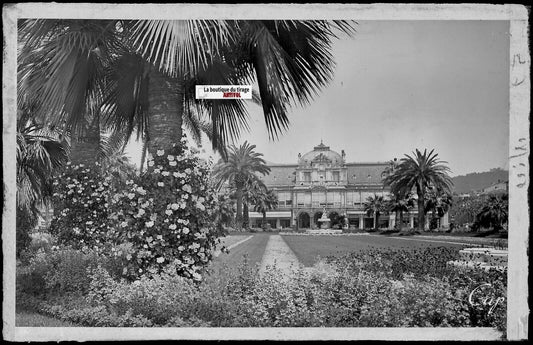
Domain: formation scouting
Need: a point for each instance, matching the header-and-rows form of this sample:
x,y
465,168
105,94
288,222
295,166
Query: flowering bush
x,y
167,215
81,208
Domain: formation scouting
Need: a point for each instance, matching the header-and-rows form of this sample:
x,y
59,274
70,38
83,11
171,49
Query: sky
x,y
401,86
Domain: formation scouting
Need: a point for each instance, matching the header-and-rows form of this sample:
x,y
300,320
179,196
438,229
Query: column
x,y
278,223
411,221
361,221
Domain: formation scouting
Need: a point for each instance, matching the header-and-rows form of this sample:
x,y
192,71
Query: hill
x,y
476,181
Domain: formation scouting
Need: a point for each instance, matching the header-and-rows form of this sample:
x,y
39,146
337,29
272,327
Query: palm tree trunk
x,y
143,156
245,216
165,111
85,143
238,220
264,219
400,213
376,218
420,205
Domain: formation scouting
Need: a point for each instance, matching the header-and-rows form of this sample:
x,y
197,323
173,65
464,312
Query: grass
x,y
253,249
309,248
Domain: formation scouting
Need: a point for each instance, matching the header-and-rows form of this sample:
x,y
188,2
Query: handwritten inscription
x,y
481,297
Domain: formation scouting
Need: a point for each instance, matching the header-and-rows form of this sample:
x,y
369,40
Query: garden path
x,y
277,253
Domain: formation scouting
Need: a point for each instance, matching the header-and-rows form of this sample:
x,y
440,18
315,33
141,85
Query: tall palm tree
x,y
242,166
421,171
374,206
143,72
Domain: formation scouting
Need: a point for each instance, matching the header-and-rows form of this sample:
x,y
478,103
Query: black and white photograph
x,y
265,172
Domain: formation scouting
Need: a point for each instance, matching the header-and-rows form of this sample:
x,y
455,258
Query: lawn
x,y
309,248
252,249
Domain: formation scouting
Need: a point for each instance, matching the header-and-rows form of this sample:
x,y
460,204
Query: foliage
x,y
494,212
81,202
374,205
239,170
374,288
420,171
26,221
167,214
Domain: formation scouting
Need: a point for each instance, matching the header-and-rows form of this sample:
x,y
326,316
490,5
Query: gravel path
x,y
278,253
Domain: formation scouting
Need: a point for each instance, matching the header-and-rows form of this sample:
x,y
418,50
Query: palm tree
x,y
420,171
40,151
242,166
374,206
143,72
264,200
400,204
438,203
495,212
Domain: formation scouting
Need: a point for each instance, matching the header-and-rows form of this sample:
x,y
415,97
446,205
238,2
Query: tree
x,y
264,200
420,171
438,203
400,204
375,205
241,166
40,151
495,212
143,72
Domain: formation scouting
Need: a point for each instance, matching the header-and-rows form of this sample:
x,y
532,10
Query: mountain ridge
x,y
476,181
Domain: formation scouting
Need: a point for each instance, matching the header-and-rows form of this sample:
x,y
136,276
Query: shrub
x,y
25,222
81,207
167,215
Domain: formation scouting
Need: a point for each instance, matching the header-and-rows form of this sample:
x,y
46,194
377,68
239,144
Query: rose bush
x,y
167,215
81,208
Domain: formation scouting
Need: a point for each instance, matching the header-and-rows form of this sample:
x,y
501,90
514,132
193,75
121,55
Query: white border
x,y
519,167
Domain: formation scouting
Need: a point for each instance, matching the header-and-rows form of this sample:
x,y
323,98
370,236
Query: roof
x,y
358,173
322,153
365,173
280,175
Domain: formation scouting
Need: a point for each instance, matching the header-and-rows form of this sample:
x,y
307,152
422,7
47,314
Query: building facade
x,y
321,180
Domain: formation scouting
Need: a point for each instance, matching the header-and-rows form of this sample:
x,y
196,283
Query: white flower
x,y
187,188
141,190
124,224
181,248
170,157
165,173
160,184
141,212
168,212
173,163
150,163
200,206
175,206
185,230
172,226
160,152
160,260
176,174
89,223
149,224
159,237
157,171
188,171
131,196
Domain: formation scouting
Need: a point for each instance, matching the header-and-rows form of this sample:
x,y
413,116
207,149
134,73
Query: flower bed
x,y
372,288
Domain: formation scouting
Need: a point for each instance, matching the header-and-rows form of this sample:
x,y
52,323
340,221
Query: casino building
x,y
323,179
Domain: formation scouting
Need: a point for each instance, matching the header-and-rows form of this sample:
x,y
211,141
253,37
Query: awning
x,y
271,214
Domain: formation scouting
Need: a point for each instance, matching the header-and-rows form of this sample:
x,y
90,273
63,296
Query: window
x,y
307,176
336,176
